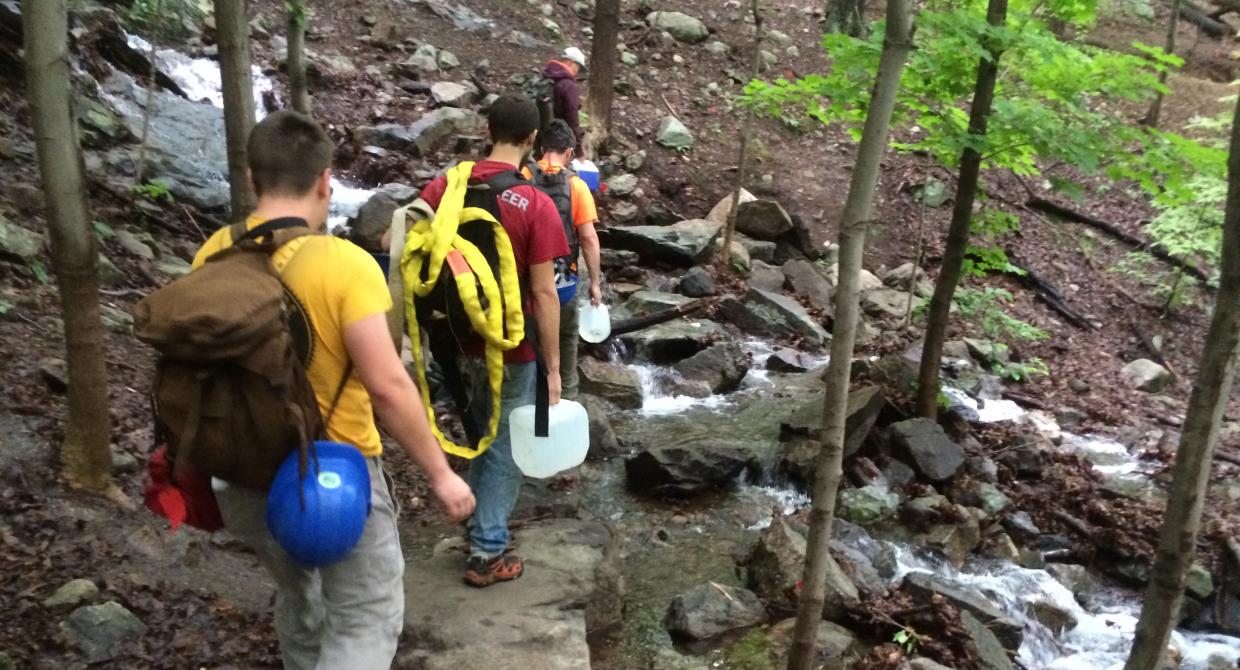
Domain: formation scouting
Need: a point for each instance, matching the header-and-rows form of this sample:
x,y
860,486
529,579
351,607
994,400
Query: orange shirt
x,y
584,209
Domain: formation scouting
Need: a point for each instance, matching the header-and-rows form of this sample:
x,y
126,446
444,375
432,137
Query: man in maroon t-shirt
x,y
533,225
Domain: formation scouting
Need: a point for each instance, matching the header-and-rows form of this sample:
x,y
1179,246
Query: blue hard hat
x,y
319,518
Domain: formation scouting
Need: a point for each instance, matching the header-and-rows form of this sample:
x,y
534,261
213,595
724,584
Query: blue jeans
x,y
493,476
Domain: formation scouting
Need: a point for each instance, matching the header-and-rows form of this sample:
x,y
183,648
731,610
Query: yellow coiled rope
x,y
434,244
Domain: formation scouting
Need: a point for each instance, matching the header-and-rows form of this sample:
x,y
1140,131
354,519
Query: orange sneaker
x,y
482,572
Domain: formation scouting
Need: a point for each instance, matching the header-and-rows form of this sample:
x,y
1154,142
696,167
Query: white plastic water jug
x,y
566,444
593,321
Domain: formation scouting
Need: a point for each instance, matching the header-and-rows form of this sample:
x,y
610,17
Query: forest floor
x,y
50,535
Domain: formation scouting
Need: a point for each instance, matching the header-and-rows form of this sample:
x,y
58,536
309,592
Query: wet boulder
x,y
991,654
982,495
758,250
617,384
766,277
922,444
769,314
722,367
865,403
673,341
603,441
867,505
711,609
957,538
923,587
684,244
687,470
777,564
646,302
697,283
790,360
809,281
835,647
426,135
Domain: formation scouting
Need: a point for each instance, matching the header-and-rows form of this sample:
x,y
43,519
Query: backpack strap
x,y
266,229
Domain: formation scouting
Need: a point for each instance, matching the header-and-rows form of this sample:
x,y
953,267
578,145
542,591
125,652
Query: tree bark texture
x,y
1211,389
846,16
897,41
297,87
603,57
85,454
725,252
958,230
234,43
1155,111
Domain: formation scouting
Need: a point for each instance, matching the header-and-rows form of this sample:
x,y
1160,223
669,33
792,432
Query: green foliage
x,y
40,271
102,230
1022,371
297,12
5,307
169,19
984,306
155,190
908,639
751,652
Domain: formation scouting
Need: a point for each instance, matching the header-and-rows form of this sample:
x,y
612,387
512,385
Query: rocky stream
x,y
679,544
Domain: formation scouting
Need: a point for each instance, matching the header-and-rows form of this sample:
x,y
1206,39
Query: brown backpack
x,y
230,393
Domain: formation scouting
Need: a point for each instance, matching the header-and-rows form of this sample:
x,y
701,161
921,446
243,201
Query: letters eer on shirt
x,y
335,283
533,226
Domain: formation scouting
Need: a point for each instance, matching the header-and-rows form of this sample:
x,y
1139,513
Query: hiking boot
x,y
481,571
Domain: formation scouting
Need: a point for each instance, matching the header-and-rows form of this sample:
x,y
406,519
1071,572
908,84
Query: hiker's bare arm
x,y
547,314
399,407
590,247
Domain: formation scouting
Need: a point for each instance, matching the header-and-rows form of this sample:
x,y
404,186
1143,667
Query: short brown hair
x,y
287,153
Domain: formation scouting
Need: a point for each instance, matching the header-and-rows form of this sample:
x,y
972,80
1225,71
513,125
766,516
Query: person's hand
x,y
553,388
596,294
454,494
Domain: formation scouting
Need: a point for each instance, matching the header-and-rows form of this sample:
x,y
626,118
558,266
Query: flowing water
x,y
671,549
199,79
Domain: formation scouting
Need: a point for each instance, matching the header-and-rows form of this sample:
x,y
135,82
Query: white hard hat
x,y
575,55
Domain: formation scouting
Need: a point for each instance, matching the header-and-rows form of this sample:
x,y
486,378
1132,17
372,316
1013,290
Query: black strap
x,y
344,381
542,392
267,228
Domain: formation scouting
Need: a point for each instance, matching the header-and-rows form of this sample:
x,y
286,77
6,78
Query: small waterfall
x,y
1101,637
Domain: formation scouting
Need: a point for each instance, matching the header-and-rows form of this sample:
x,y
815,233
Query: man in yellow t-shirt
x,y
348,614
581,215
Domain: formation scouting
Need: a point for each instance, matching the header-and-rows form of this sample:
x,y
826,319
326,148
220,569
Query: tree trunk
x,y
1152,116
1211,390
297,88
234,42
725,252
85,453
846,16
958,231
603,57
896,44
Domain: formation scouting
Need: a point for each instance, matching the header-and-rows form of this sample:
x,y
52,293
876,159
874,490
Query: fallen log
x,y
626,326
1049,295
1224,7
1198,17
1069,214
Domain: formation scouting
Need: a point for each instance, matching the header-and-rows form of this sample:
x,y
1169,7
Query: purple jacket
x,y
565,97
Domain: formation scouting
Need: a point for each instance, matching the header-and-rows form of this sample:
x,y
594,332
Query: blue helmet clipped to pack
x,y
319,518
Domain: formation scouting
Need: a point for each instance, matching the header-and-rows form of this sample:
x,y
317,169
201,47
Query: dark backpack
x,y
541,90
230,394
558,186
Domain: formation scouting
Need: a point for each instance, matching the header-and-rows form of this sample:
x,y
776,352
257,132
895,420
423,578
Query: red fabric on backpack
x,y
189,499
